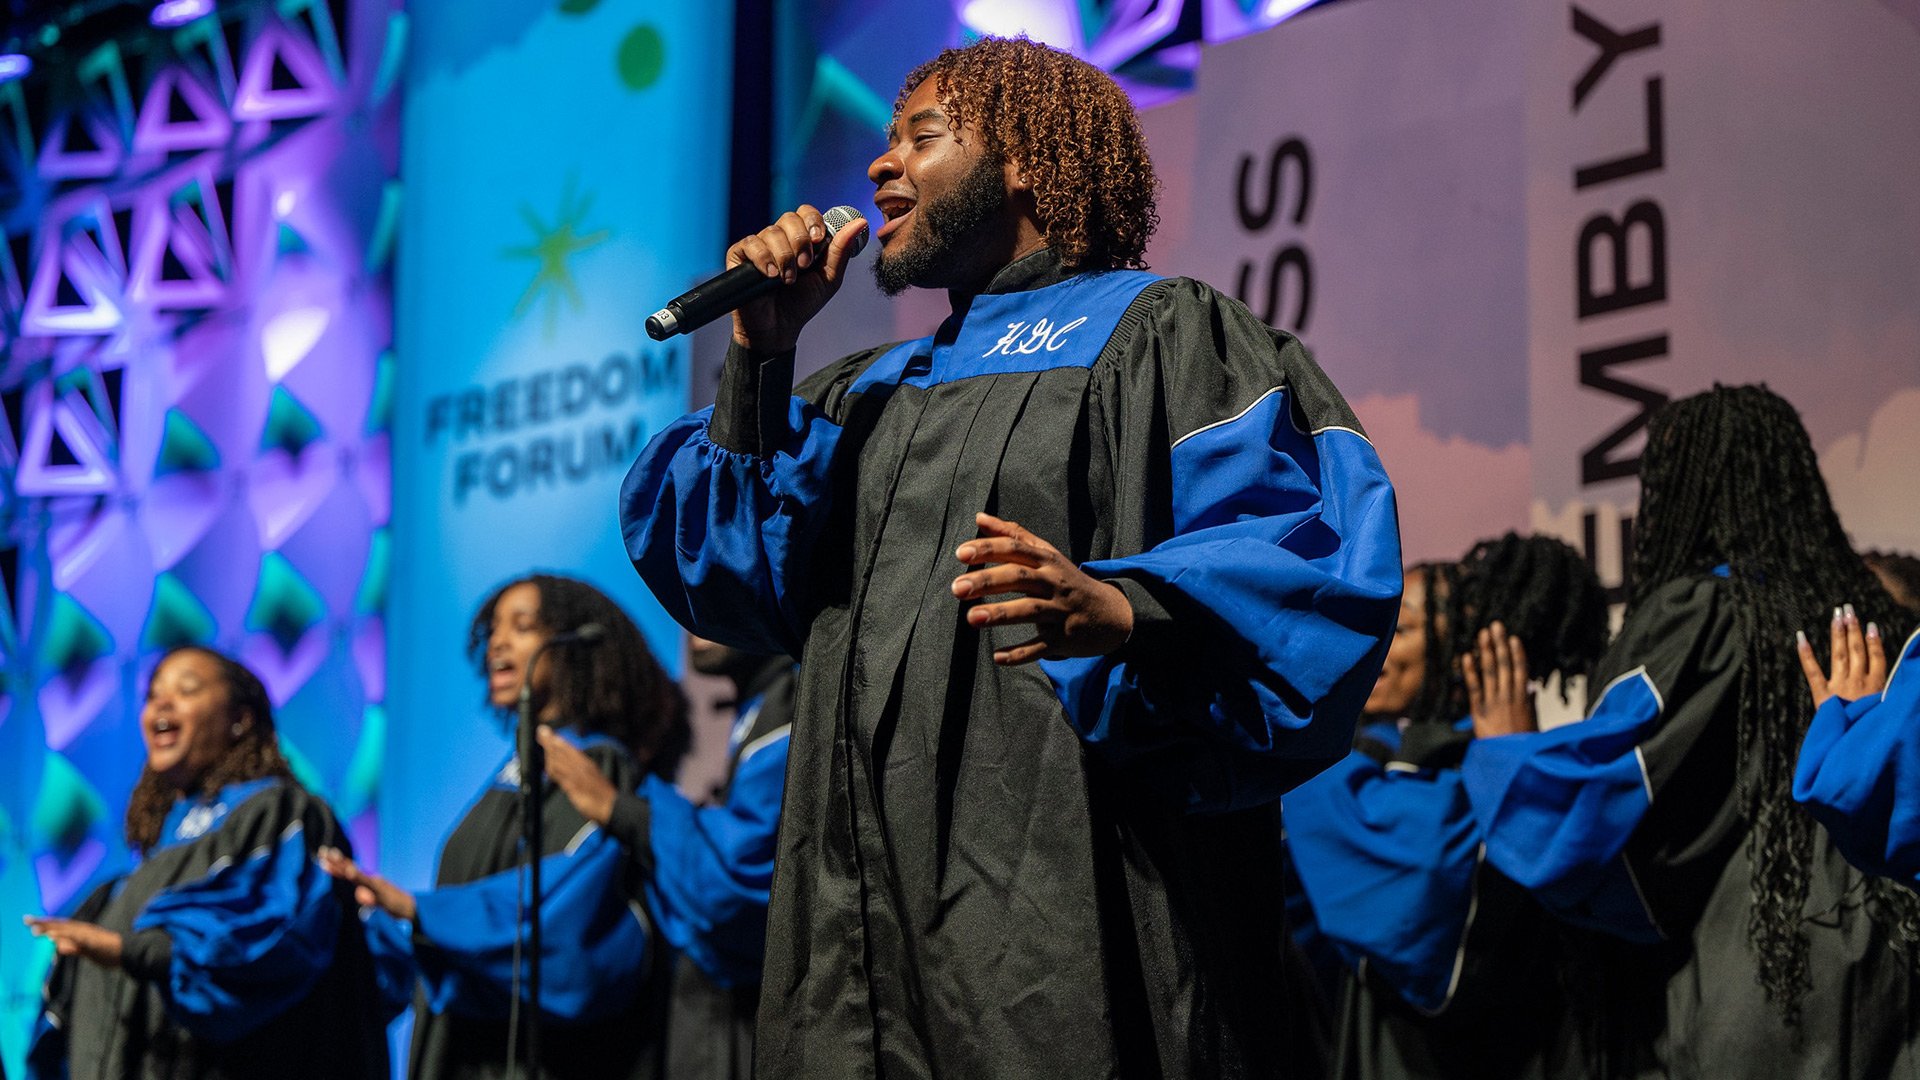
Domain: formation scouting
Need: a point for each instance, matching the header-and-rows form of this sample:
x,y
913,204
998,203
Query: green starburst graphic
x,y
552,247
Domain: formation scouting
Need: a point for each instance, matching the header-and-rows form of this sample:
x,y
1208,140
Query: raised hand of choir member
x,y
1859,768
225,951
606,708
1499,688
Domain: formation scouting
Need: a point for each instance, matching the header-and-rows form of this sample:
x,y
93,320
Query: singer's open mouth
x,y
894,208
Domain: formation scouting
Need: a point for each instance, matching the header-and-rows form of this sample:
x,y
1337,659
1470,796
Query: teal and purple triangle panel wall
x,y
195,360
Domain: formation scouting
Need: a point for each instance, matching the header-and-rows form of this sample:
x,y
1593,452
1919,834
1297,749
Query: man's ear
x,y
1016,176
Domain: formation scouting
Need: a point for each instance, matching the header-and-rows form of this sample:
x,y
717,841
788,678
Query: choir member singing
x,y
226,952
1029,836
603,967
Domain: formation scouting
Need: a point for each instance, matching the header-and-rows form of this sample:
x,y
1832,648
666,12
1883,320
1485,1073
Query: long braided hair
x,y
1729,478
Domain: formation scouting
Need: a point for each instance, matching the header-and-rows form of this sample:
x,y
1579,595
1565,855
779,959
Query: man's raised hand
x,y
1072,613
796,250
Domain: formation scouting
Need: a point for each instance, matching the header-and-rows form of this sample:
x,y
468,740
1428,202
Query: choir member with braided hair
x,y
1666,818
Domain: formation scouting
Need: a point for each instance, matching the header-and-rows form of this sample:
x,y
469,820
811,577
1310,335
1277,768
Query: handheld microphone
x,y
720,294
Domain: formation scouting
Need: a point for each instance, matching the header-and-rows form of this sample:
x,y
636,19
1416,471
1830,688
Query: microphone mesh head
x,y
839,218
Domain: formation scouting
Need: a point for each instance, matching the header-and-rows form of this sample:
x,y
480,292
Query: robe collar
x,y
1036,270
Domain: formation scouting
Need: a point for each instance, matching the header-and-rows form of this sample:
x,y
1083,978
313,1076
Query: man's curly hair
x,y
1074,134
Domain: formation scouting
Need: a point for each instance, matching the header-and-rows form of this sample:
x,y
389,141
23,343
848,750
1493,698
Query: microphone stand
x,y
533,769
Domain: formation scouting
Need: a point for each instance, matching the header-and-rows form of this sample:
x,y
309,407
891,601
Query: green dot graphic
x,y
642,55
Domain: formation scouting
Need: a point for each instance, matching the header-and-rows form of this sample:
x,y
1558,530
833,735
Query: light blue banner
x,y
565,168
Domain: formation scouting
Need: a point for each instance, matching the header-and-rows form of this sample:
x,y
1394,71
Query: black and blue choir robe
x,y
1859,773
1630,824
602,989
1069,868
709,874
240,957
1450,967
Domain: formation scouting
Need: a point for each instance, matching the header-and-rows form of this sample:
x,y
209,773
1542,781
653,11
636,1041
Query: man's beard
x,y
948,226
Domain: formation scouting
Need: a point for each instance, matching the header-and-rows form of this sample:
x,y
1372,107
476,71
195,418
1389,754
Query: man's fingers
x,y
1004,549
1023,653
1003,578
1035,611
841,249
1810,667
994,526
813,221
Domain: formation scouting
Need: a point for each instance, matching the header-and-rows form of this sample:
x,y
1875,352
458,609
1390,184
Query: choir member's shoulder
x,y
266,810
828,387
1692,617
1210,333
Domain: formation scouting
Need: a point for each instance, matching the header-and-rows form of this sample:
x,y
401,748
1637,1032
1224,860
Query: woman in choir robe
x,y
603,966
225,952
1453,970
1859,769
1666,818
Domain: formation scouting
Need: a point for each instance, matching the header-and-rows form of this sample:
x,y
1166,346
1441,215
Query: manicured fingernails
x,y
1873,631
1838,617
1852,619
1801,636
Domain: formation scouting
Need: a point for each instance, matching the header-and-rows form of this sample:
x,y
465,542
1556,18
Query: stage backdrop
x,y
1415,188
1509,229
194,333
565,162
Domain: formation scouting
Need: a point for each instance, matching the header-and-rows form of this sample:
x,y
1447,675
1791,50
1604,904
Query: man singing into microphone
x,y
1083,582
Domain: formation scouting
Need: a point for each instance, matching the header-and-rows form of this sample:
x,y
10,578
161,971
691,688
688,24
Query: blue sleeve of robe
x,y
1557,808
593,943
1859,773
248,940
1623,822
390,945
725,539
1284,569
1388,856
714,865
